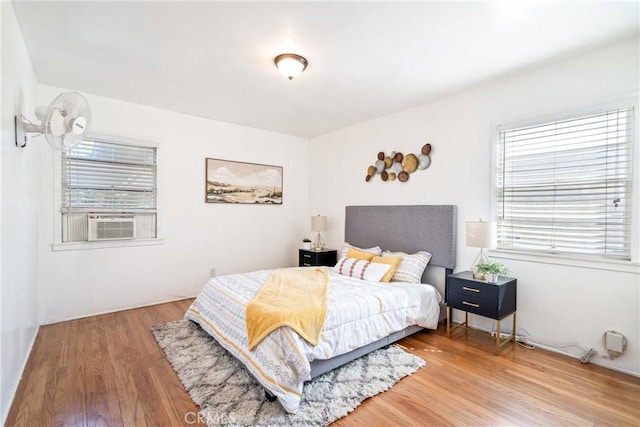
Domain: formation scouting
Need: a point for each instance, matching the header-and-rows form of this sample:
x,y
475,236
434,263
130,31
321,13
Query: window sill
x,y
567,260
77,246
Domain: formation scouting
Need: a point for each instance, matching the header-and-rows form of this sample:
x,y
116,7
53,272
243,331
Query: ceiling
x,y
366,59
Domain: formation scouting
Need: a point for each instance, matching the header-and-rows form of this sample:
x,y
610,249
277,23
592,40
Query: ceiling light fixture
x,y
290,64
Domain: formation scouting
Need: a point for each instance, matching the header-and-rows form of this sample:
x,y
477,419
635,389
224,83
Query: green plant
x,y
306,240
493,267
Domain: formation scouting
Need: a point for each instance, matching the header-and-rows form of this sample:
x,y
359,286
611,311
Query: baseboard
x,y
12,394
100,313
594,361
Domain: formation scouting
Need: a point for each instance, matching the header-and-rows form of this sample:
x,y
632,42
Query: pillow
x,y
411,266
361,269
393,261
358,254
376,250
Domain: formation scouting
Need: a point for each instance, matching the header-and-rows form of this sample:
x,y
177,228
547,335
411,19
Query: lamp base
x,y
318,244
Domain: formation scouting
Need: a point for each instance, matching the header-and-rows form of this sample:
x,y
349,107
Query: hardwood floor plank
x,y
108,370
172,395
127,362
103,407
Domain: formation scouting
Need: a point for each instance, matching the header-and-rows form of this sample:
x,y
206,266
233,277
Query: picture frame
x,y
229,181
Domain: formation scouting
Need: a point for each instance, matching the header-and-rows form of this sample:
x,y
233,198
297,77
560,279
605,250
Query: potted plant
x,y
306,243
492,270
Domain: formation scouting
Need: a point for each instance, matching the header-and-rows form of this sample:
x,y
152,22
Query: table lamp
x,y
481,234
318,224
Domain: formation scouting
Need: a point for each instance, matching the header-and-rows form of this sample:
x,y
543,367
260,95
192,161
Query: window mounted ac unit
x,y
111,227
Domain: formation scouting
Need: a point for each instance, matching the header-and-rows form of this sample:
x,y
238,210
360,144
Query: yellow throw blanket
x,y
293,297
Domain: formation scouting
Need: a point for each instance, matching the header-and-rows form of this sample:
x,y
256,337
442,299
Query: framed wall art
x,y
229,181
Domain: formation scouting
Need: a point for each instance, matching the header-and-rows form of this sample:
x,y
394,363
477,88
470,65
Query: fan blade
x,y
68,140
56,123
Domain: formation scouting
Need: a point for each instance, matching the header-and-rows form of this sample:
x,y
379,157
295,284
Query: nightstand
x,y
493,300
309,257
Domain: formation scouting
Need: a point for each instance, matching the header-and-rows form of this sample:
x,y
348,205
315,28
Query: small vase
x,y
492,277
306,245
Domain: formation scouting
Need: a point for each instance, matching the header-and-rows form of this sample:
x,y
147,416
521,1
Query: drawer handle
x,y
306,256
471,304
470,289
306,264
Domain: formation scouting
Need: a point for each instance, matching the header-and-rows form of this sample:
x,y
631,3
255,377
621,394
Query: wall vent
x,y
111,227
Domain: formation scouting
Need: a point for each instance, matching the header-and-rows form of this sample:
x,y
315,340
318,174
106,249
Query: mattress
x,y
359,312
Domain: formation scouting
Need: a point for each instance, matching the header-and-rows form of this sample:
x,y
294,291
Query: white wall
x,y
196,236
18,218
557,305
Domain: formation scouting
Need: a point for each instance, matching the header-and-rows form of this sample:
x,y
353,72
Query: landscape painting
x,y
238,182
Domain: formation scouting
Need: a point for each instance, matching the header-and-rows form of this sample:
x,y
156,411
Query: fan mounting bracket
x,y
21,135
22,128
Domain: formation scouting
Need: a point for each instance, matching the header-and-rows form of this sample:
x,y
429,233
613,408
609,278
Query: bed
x,y
356,322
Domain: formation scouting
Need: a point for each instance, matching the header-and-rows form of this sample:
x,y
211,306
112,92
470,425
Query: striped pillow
x,y
361,269
411,266
376,250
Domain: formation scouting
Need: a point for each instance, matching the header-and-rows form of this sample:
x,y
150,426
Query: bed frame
x,y
398,228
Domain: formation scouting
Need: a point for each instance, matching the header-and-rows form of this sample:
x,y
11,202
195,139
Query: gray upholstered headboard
x,y
405,228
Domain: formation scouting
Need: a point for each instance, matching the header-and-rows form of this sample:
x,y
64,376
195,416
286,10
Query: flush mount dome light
x,y
290,64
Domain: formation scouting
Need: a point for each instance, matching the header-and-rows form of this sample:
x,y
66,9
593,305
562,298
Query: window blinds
x,y
103,176
566,186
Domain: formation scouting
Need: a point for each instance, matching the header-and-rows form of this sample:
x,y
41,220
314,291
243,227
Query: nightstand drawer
x,y
473,288
309,258
474,304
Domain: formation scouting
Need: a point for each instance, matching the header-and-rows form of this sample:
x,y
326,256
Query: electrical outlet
x,y
614,341
213,272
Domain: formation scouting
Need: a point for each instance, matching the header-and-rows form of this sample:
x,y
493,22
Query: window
x,y
566,186
108,191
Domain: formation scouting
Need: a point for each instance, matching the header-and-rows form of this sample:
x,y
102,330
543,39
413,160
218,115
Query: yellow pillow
x,y
393,261
354,253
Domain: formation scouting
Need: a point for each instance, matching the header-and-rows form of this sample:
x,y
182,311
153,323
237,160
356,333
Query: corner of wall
x,y
18,214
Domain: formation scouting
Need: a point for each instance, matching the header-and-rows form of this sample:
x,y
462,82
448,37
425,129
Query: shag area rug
x,y
228,395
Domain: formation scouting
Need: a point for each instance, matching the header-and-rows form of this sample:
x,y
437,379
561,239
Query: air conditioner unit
x,y
111,227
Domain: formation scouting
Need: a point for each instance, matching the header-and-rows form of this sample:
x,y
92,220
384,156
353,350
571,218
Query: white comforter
x,y
359,313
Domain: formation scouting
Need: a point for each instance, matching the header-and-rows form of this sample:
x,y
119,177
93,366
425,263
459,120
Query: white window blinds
x,y
103,176
566,186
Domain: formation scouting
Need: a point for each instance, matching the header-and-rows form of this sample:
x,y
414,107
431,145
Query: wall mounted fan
x,y
64,122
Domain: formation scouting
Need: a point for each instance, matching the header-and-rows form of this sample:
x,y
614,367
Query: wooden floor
x,y
108,371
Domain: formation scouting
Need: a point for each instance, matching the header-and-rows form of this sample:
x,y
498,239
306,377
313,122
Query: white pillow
x,y
411,266
376,250
361,269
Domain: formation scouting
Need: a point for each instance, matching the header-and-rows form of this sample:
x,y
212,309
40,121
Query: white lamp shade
x,y
318,223
481,234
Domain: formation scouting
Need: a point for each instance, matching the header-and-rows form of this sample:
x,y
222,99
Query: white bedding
x,y
359,313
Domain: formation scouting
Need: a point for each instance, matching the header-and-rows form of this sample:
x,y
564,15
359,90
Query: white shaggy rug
x,y
228,395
